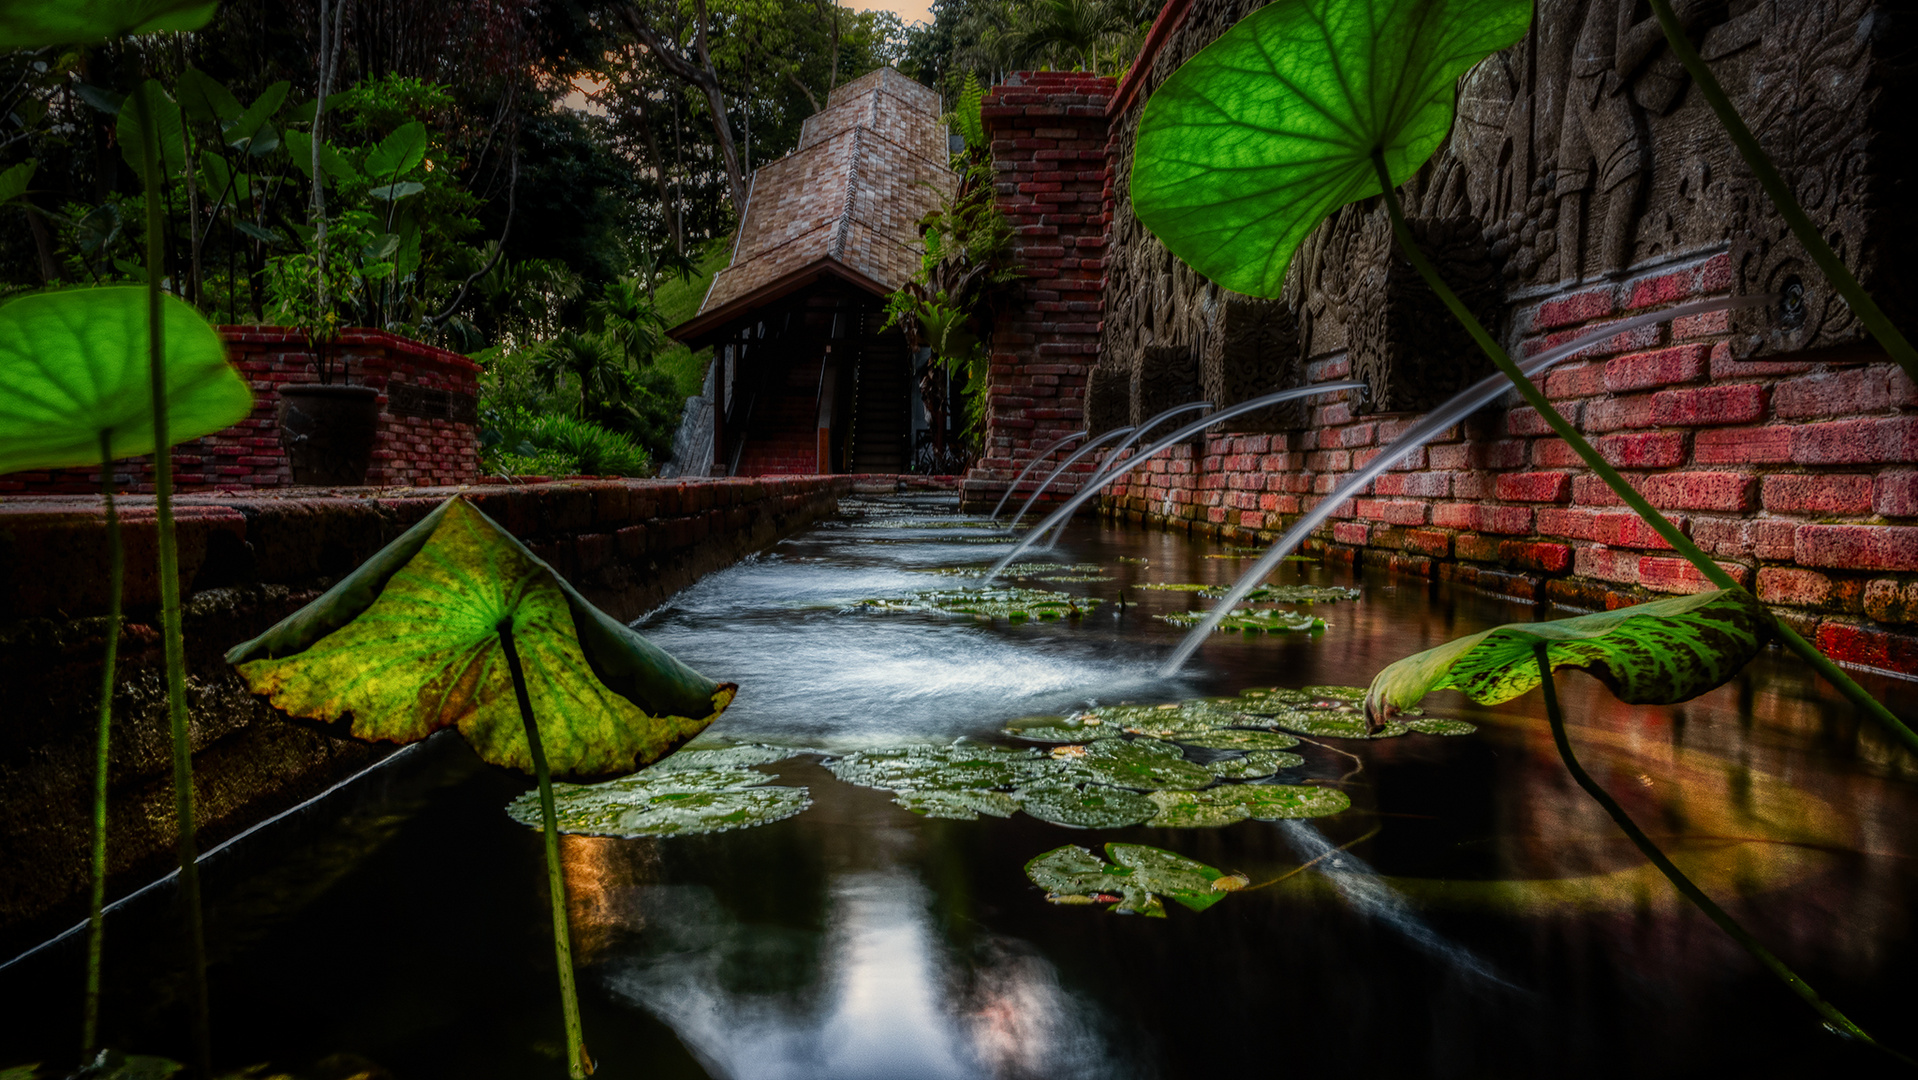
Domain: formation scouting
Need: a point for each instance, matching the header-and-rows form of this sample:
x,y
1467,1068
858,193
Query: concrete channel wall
x,y
249,560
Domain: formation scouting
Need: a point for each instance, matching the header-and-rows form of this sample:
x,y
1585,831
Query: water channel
x,y
1492,922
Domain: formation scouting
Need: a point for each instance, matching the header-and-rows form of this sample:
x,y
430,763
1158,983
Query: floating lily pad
x,y
961,766
1435,726
1136,873
1075,579
1016,605
1328,724
1239,740
1255,765
682,802
1021,570
1140,764
1084,806
1253,620
1132,561
1293,594
1174,586
1276,695
1335,693
744,754
1231,803
960,805
1061,729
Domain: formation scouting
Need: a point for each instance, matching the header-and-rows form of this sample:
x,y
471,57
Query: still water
x,y
1473,914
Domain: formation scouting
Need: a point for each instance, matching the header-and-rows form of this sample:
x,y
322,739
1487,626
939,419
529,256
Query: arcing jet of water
x,y
1098,484
1467,402
1117,433
1027,471
1112,459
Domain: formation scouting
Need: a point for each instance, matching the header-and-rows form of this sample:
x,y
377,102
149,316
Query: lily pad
x,y
1254,141
960,766
1129,560
964,804
1293,594
1017,605
1133,881
1231,803
682,802
745,754
1253,620
1076,728
1335,693
1327,724
1239,740
1659,653
1436,726
1074,579
1254,765
1174,586
1140,764
1083,806
1020,570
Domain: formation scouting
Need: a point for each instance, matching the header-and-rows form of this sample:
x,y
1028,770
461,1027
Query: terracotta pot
x,y
328,432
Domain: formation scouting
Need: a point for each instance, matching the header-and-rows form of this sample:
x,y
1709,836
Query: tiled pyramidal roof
x,y
868,167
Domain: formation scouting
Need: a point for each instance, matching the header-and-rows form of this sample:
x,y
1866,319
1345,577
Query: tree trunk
x,y
697,72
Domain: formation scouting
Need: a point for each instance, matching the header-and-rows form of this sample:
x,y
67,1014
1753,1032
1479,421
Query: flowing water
x,y
1473,914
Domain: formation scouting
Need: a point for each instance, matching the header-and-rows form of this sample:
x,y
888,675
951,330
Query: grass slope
x,y
679,300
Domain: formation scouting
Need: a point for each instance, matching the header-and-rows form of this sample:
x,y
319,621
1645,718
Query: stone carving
x,y
1166,377
1251,347
1108,398
1400,338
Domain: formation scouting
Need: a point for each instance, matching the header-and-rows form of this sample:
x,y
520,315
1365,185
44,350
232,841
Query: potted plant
x,y
327,428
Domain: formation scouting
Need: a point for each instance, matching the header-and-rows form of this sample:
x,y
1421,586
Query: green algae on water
x,y
1132,881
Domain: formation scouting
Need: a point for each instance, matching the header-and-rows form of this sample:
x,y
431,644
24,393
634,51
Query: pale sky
x,y
909,11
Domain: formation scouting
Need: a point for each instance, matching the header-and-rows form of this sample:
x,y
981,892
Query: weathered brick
x,y
1526,420
1743,446
1563,521
1856,442
1535,486
1788,585
1661,367
1889,600
1476,547
1857,547
1613,414
1818,494
1574,309
1629,530
1665,574
1853,644
1429,542
1895,494
1606,564
1664,288
1575,382
1849,392
1644,449
1349,532
1707,406
1508,520
1699,490
1535,555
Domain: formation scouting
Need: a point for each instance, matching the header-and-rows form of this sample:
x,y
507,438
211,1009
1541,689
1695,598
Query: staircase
x,y
783,435
881,397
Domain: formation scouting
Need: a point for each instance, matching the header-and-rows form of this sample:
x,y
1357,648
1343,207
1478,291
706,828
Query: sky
x,y
909,11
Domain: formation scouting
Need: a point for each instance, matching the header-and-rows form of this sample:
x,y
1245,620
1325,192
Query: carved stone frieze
x,y
1108,398
1400,338
1166,377
1251,348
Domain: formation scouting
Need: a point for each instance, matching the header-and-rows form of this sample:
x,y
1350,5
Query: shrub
x,y
518,441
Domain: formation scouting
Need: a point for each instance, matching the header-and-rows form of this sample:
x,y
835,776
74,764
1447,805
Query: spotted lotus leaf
x,y
1236,802
1253,620
959,766
1083,806
1132,881
1239,740
1649,654
1244,150
962,804
1254,765
672,802
409,644
1433,725
1338,724
1139,764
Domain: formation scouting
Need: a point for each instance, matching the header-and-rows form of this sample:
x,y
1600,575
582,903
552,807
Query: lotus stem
x,y
578,1064
1856,298
96,916
1678,541
174,643
1541,652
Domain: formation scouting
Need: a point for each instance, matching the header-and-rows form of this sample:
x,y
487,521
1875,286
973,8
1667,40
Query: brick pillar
x,y
1049,133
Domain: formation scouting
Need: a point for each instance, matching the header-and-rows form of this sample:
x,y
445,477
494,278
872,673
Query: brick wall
x,y
1049,153
1799,474
428,431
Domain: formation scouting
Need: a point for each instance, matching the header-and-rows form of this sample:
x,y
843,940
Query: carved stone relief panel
x,y
1108,398
1400,338
1166,377
1250,348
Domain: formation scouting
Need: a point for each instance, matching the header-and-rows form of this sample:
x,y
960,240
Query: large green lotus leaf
x,y
1083,806
409,644
32,24
673,802
1139,764
75,363
1649,654
1134,875
1245,149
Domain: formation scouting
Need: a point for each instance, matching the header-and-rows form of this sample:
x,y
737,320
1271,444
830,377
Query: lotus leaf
x,y
1245,149
1024,569
965,804
1335,724
1334,693
1239,740
1254,765
1134,562
1174,586
75,363
32,24
1277,695
411,643
1014,604
710,757
1140,764
1436,726
1648,654
1088,806
1231,803
1074,579
1291,594
1253,620
1136,873
675,802
1060,729
960,766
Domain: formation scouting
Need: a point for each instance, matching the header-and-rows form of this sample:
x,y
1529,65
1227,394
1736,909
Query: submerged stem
x,y
578,1064
1541,652
1678,541
96,915
169,559
1856,298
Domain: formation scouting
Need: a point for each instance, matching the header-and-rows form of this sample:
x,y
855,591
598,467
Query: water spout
x,y
1063,466
1097,484
1464,404
1031,465
1112,460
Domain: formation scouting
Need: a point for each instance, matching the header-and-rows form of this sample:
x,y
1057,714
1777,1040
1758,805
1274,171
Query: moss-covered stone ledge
x,y
248,560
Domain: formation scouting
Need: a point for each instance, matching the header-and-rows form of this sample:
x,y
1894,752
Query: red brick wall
x,y
1049,154
1799,474
411,450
